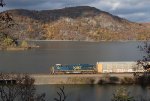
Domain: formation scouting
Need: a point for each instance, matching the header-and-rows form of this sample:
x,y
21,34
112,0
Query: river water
x,y
53,52
93,92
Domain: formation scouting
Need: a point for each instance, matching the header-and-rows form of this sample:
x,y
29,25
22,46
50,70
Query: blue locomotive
x,y
73,69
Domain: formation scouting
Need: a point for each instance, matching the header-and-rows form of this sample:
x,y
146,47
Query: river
x,y
92,92
40,59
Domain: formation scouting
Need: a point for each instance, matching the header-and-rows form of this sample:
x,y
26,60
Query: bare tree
x,y
6,23
18,87
27,88
6,20
61,94
144,79
146,58
8,89
2,4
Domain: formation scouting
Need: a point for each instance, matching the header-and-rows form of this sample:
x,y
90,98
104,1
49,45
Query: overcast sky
x,y
133,10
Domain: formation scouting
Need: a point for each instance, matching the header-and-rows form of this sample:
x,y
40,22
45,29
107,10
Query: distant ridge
x,y
75,23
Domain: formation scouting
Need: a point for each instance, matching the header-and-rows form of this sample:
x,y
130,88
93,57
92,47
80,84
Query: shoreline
x,y
112,78
19,48
36,46
90,79
87,41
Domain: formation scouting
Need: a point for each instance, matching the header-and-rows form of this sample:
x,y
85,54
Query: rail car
x,y
73,69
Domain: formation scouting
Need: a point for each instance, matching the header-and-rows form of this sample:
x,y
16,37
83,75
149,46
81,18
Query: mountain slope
x,y
74,23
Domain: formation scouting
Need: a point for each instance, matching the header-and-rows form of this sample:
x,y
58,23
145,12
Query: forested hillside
x,y
74,23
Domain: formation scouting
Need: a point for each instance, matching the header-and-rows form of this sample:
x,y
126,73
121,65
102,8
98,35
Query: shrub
x,y
24,44
122,95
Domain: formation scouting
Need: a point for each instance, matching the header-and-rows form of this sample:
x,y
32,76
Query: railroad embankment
x,y
105,78
122,78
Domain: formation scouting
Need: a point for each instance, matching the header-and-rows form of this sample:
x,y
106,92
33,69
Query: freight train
x,y
73,69
100,67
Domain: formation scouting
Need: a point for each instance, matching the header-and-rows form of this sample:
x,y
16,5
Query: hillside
x,y
74,23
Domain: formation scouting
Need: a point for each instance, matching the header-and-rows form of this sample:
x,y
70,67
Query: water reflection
x,y
92,93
